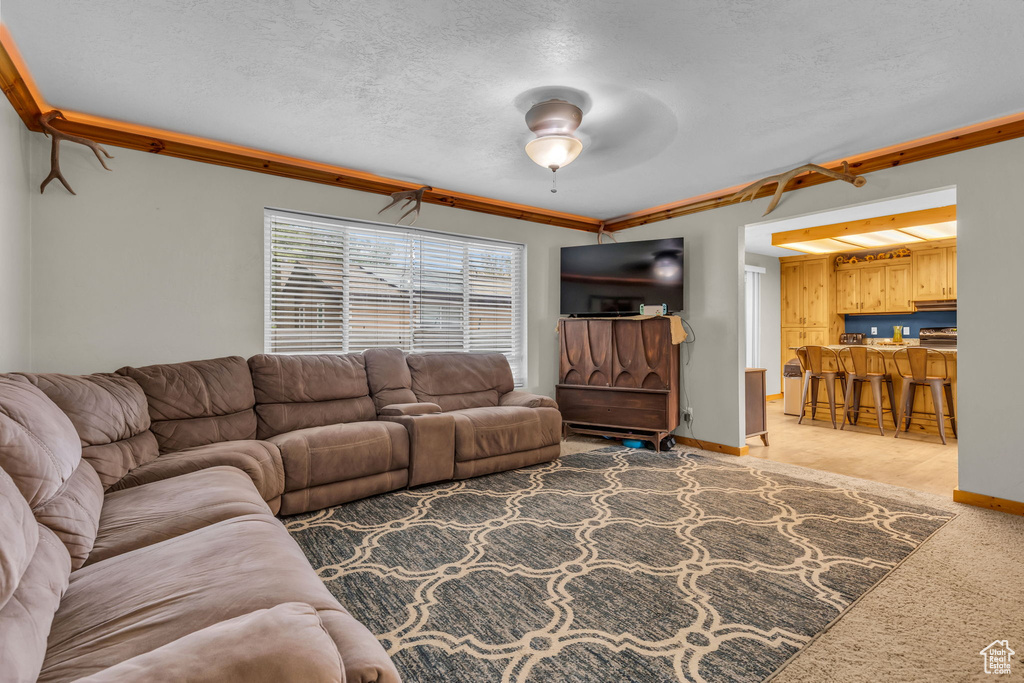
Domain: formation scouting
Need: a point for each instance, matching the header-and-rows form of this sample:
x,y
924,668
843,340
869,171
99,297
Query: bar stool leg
x,y
814,397
846,403
876,391
830,390
940,417
858,390
952,410
803,397
892,402
906,399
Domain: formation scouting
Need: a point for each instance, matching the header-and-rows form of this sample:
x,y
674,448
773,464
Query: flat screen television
x,y
615,278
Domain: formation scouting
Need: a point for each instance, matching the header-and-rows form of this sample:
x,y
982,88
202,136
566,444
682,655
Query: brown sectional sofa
x,y
137,536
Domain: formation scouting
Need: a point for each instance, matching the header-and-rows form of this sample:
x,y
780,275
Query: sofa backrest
x,y
296,392
49,515
460,380
388,376
198,402
110,414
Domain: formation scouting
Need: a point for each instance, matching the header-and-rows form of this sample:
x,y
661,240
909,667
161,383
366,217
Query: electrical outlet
x,y
687,414
874,331
906,331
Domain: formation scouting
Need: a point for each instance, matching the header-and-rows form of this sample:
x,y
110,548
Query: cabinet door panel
x,y
898,290
816,336
847,291
929,274
951,272
792,289
872,289
815,277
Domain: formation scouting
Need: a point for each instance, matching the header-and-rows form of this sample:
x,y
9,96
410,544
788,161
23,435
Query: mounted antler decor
x,y
408,196
55,139
783,179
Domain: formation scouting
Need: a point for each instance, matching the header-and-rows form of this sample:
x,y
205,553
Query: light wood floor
x,y
914,461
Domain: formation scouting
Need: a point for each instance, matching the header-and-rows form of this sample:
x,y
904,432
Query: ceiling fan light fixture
x,y
554,122
554,151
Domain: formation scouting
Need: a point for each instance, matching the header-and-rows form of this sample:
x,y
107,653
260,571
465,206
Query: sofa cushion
x,y
74,513
109,413
41,451
324,455
26,617
19,534
282,643
198,402
297,392
137,602
388,376
259,459
143,515
486,432
456,381
39,447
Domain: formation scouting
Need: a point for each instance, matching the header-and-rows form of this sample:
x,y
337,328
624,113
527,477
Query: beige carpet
x,y
929,619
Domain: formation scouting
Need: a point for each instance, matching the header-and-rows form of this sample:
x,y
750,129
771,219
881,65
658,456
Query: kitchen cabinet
x,y
934,274
898,288
861,290
805,293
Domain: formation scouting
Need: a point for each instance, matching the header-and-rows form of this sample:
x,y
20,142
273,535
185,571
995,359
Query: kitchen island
x,y
923,423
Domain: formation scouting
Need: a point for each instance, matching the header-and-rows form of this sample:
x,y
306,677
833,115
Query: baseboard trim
x,y
1012,507
712,446
773,397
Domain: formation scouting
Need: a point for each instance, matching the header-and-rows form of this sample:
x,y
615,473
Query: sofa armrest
x,y
283,643
431,446
525,399
410,409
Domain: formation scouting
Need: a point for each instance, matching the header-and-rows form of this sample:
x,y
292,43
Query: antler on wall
x,y
408,196
55,139
783,179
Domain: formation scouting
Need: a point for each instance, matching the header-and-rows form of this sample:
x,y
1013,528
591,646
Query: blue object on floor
x,y
632,443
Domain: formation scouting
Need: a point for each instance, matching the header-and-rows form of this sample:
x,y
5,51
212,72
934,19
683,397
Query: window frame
x,y
518,357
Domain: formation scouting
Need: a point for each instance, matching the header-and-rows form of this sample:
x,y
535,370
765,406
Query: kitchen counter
x,y
922,423
885,348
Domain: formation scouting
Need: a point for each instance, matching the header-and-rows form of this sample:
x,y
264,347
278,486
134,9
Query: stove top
x,y
938,337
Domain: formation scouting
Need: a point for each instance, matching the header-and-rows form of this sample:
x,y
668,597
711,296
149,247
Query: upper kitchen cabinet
x,y
805,293
934,273
899,291
861,290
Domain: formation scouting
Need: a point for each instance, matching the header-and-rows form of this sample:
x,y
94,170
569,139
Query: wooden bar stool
x,y
860,358
820,363
917,358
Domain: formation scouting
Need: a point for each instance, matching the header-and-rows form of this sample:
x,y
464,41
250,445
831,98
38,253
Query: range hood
x,y
940,305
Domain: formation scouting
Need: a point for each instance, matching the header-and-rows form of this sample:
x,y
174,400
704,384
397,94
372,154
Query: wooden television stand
x,y
618,377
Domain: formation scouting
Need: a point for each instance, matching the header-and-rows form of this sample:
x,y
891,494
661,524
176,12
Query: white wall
x,y
161,260
15,242
771,318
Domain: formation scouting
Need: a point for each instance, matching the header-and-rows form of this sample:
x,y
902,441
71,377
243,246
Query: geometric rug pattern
x,y
612,565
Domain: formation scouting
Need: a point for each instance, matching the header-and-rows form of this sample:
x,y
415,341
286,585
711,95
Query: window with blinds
x,y
336,285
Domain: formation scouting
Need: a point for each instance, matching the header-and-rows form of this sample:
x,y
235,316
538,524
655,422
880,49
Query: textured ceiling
x,y
681,98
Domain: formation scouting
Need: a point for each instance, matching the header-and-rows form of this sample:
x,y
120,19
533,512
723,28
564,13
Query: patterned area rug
x,y
610,565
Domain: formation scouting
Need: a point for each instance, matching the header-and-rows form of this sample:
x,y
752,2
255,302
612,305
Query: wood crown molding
x,y
17,84
950,142
896,221
27,101
1012,507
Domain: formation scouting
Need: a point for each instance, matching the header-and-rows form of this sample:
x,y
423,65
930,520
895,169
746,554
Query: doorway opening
x,y
857,294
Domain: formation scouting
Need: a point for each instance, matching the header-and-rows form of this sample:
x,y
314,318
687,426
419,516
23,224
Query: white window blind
x,y
338,285
752,282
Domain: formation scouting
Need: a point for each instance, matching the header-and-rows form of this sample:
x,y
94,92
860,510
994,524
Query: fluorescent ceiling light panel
x,y
825,246
935,231
882,238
